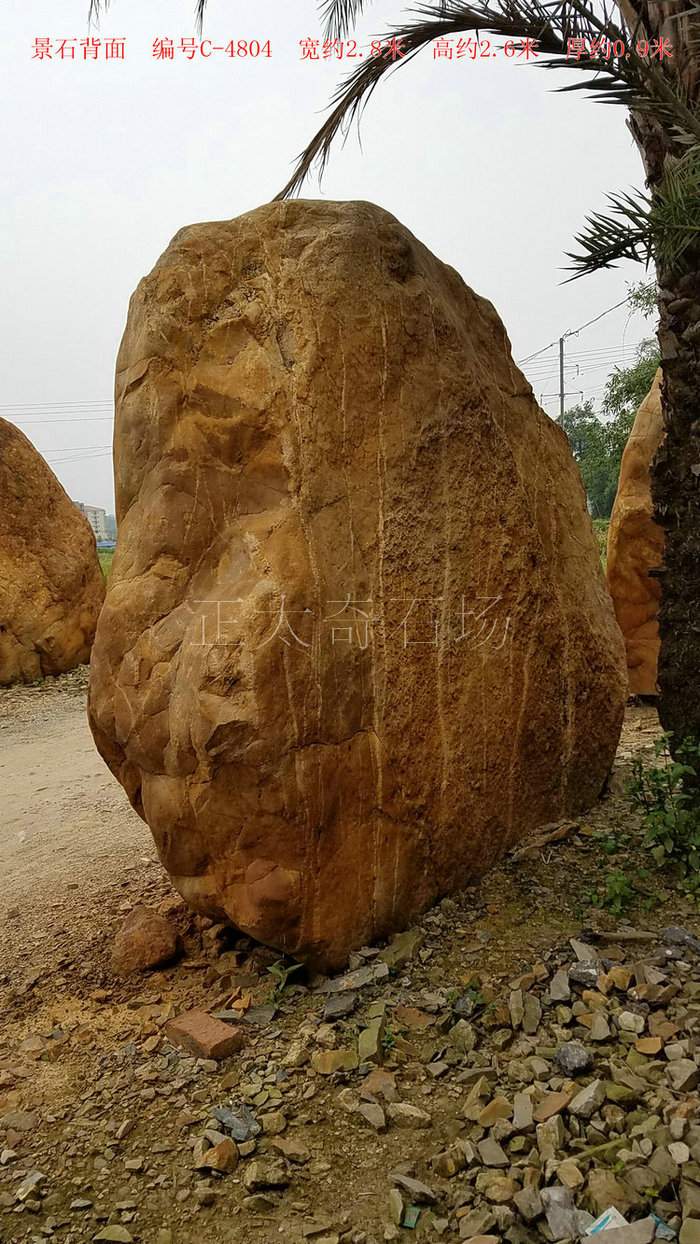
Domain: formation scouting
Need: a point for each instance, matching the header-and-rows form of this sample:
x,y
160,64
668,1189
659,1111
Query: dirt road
x,y
64,820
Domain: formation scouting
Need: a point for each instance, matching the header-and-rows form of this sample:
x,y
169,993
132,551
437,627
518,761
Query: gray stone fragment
x,y
674,935
358,979
240,1124
491,1153
419,1192
641,1232
585,973
588,1100
339,1005
574,1058
559,989
529,1204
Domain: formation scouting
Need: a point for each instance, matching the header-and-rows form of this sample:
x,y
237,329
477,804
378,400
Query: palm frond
x,y
645,228
97,5
199,14
635,82
340,16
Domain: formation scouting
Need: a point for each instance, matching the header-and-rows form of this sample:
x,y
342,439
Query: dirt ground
x,y
93,1095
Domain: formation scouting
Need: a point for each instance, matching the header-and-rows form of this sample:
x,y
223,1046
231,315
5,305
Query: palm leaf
x,y
636,83
637,226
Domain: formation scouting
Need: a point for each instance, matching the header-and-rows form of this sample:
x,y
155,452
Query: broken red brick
x,y
202,1035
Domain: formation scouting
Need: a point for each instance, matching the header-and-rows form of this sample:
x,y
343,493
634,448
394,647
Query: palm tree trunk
x,y
676,494
675,474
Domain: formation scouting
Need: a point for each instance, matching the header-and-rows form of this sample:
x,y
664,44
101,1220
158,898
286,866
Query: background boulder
x,y
357,637
636,545
51,583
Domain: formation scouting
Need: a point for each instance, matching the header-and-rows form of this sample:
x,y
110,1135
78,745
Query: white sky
x,y
104,161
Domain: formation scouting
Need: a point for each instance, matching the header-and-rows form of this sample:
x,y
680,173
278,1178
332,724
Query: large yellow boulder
x,y
51,583
636,545
357,638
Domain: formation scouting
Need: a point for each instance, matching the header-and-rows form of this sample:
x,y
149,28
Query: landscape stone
x,y
635,546
51,583
281,761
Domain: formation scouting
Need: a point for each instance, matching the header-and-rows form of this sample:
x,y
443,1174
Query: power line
x,y
572,332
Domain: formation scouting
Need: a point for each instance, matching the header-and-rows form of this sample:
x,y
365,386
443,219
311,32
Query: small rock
x,y
491,1153
403,1114
532,1014
339,1005
559,988
550,1105
326,1062
292,1149
475,1223
588,1100
679,1152
640,1232
690,1231
574,1058
585,973
357,979
498,1108
274,1123
630,1021
115,1235
240,1124
402,948
529,1204
374,1115
600,1028
222,1157
417,1190
261,1175
682,1075
145,940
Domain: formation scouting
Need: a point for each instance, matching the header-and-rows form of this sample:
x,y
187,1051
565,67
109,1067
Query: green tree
x,y
597,445
628,386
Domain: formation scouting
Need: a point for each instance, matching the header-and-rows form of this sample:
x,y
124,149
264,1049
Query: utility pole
x,y
561,381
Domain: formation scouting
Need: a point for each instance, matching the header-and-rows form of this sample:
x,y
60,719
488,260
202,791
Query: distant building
x,y
96,518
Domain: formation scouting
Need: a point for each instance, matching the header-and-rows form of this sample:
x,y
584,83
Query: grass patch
x,y
104,557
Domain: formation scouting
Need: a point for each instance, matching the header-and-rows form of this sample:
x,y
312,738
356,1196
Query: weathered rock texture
x,y
51,583
312,408
635,546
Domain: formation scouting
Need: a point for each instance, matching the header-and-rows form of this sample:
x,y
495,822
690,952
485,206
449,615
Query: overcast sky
x,y
104,160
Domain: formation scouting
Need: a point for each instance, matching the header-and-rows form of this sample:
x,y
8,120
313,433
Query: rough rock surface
x,y
51,583
414,658
145,940
635,546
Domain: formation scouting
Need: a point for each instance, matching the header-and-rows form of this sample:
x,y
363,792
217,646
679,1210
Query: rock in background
x,y
51,583
321,428
635,546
